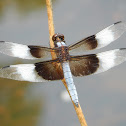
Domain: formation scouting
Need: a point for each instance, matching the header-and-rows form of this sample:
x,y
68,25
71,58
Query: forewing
x,y
96,63
39,72
24,51
101,39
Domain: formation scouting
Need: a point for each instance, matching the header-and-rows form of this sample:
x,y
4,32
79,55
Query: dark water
x,y
102,97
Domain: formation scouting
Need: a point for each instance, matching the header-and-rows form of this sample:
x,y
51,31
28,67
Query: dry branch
x,y
51,33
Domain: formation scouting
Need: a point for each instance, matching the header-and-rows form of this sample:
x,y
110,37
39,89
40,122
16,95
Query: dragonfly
x,y
65,65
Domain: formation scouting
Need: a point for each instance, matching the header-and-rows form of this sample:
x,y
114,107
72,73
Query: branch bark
x,y
51,33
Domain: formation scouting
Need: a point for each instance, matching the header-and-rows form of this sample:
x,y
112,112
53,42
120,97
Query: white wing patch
x,y
16,50
105,37
110,59
21,51
111,33
21,72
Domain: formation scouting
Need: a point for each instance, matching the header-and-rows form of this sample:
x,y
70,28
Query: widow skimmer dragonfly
x,y
81,65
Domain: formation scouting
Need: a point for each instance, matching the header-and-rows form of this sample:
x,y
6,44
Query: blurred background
x,y
102,97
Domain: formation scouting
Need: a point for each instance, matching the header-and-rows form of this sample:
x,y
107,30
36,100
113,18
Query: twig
x,y
51,33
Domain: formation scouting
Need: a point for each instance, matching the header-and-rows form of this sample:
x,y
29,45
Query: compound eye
x,y
62,38
54,37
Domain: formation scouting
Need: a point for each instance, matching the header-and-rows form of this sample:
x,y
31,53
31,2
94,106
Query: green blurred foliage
x,y
23,7
15,109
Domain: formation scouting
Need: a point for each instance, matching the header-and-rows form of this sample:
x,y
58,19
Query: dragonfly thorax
x,y
63,54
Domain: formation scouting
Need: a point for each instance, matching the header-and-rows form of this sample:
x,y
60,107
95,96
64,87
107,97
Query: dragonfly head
x,y
58,38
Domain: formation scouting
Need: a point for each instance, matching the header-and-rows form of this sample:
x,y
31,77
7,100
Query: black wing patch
x,y
41,52
49,70
84,65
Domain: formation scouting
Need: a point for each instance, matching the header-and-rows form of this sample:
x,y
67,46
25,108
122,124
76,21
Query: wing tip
x,y
122,48
117,22
5,67
122,52
2,41
121,23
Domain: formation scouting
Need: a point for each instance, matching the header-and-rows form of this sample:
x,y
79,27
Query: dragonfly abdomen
x,y
70,83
